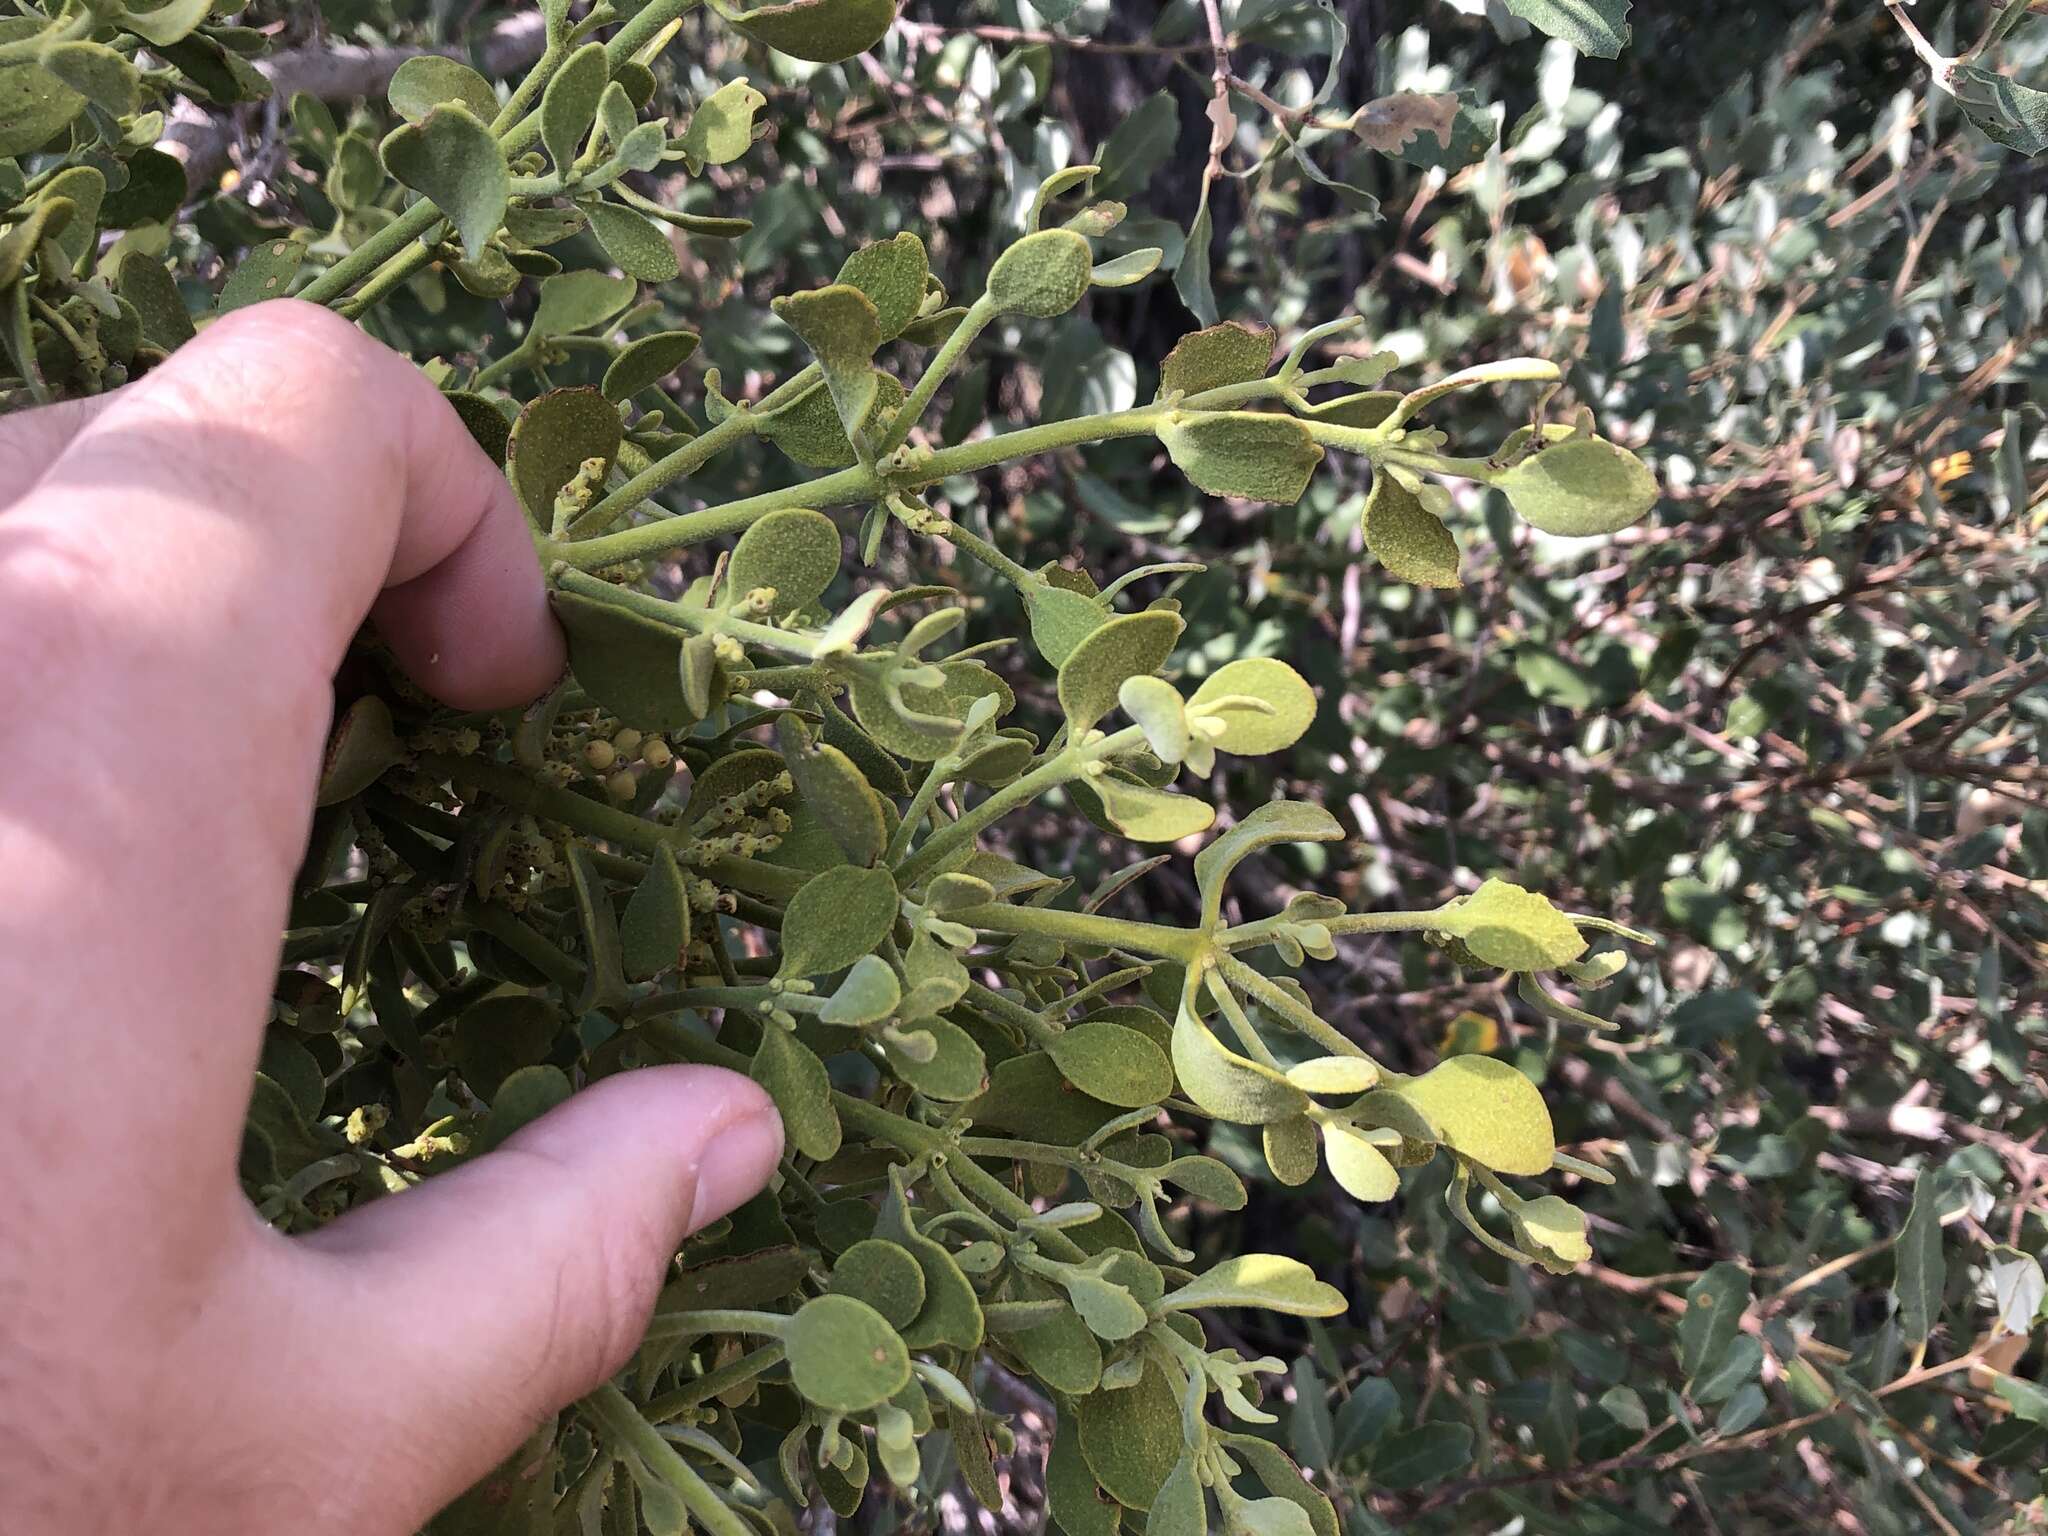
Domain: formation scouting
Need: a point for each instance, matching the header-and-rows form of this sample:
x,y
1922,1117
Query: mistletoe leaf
x,y
1406,537
1221,355
842,328
893,274
428,80
837,917
1580,487
1116,1065
1245,454
1226,1085
843,1355
817,31
1484,1109
1267,1281
1517,930
450,158
796,1081
1283,706
794,553
656,927
1133,645
1042,275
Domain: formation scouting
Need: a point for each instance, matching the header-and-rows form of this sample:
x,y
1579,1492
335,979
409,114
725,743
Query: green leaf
x,y
1138,146
98,73
628,664
656,927
893,274
1130,268
953,1072
166,23
569,104
551,441
820,31
1206,1179
155,192
1291,1150
1042,275
1920,1269
522,1099
1191,279
265,271
836,793
1267,1281
1158,710
580,301
885,1276
646,362
428,80
2027,1400
1147,815
840,325
454,161
34,107
1246,454
498,1035
1338,1075
1553,1232
843,1355
1359,1166
1061,620
1132,645
1180,1508
1282,706
1581,487
604,984
1111,1312
1484,1109
2005,111
1517,930
1425,1454
795,551
797,1082
838,916
1131,1437
635,243
1625,1406
1713,1316
1736,1365
1226,1085
154,293
1117,1065
1406,537
1596,27
360,747
868,995
722,127
1230,353
1277,821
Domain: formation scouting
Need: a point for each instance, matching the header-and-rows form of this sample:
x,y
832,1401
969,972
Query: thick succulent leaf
x,y
884,1275
1117,1065
842,328
1406,537
795,552
428,80
1289,705
656,927
1580,487
569,104
1517,930
1484,1109
1268,1281
1244,454
635,243
1042,275
1277,821
1131,1437
1226,1085
581,301
1359,1166
1230,353
1132,645
819,31
722,127
1147,815
838,916
646,362
843,1355
551,441
796,1081
893,274
450,158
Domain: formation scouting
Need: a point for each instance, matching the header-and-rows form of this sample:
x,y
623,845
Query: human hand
x,y
182,565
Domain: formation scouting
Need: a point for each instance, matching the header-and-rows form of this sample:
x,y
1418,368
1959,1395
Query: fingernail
x,y
736,1165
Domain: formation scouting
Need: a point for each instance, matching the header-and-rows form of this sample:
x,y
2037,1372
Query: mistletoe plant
x,y
753,825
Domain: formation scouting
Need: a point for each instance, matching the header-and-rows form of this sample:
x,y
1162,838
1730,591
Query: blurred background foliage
x,y
1792,721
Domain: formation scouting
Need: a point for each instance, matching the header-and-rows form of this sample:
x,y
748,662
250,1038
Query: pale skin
x,y
182,565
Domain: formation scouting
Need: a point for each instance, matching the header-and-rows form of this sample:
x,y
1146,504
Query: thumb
x,y
461,1313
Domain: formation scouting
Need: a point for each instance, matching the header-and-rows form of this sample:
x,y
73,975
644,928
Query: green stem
x,y
547,801
992,1002
1376,922
712,1383
615,1412
674,1325
693,455
1303,1019
1084,928
950,351
980,548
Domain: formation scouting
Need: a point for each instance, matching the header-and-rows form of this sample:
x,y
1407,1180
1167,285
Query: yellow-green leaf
x,y
838,916
1265,1280
843,1355
1226,1085
1230,353
1042,275
450,158
1517,930
1282,706
1130,646
1580,487
1246,454
1482,1108
1406,537
819,31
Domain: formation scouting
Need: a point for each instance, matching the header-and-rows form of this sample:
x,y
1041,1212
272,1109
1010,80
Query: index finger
x,y
176,588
